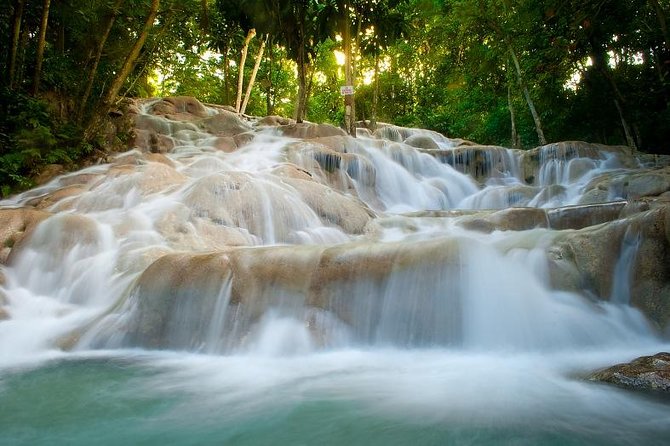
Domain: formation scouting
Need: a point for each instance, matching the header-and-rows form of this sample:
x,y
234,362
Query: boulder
x,y
306,130
334,208
48,173
511,219
211,301
274,121
586,260
422,142
180,108
532,160
49,200
224,123
15,225
646,373
480,162
578,217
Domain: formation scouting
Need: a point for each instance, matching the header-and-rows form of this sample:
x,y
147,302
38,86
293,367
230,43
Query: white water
x,y
460,327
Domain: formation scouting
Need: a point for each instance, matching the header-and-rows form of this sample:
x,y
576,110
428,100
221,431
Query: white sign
x,y
346,90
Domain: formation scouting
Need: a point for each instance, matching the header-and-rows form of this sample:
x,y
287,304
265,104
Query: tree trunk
x,y
14,48
41,43
529,100
226,76
124,71
301,101
98,55
252,79
375,92
269,98
626,130
510,106
349,123
299,114
240,70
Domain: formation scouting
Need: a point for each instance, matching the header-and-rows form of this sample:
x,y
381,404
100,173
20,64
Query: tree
x,y
240,74
98,56
41,43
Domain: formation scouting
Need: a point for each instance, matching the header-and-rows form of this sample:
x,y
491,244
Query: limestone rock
x,y
586,259
511,219
15,225
644,373
180,108
578,217
48,173
307,130
224,123
274,121
422,142
481,162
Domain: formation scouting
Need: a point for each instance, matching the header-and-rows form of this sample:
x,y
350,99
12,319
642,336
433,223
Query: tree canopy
x,y
509,72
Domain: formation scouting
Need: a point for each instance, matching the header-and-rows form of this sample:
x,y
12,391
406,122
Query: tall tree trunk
x,y
124,71
240,70
17,18
41,43
226,76
529,100
98,55
269,98
301,101
349,123
626,130
510,106
375,92
252,79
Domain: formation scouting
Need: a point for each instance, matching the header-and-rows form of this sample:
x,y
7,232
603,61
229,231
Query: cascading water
x,y
326,290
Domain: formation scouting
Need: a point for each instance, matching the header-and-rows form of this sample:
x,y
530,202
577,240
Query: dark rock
x,y
644,373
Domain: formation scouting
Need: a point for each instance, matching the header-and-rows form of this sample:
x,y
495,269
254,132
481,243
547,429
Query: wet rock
x,y
177,295
481,162
332,207
225,144
307,130
242,139
578,217
512,219
586,260
392,133
15,225
224,123
49,200
631,184
148,141
274,121
180,108
48,173
564,151
159,158
422,142
648,373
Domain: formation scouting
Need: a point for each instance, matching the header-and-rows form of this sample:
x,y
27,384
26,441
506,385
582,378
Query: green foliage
x,y
31,138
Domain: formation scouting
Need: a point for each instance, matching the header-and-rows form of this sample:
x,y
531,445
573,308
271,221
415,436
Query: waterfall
x,y
240,268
